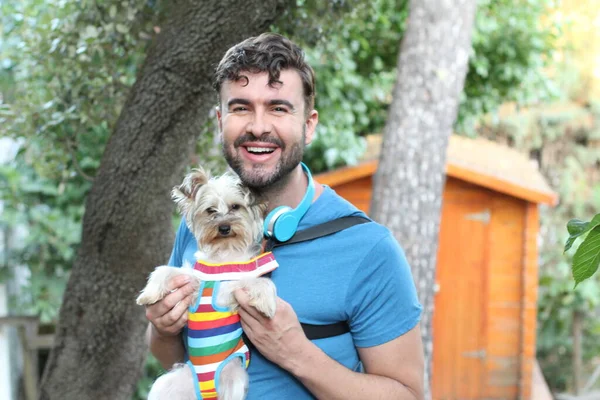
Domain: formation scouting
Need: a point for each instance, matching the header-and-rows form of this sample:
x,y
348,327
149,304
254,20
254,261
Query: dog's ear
x,y
185,193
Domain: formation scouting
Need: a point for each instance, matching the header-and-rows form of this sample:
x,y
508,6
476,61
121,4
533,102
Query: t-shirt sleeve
x,y
382,297
176,259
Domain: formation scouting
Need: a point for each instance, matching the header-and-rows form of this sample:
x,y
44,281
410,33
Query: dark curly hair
x,y
269,52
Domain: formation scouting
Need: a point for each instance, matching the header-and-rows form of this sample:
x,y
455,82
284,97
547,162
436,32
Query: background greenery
x,y
66,68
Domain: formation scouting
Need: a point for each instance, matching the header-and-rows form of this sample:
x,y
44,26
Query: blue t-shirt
x,y
359,275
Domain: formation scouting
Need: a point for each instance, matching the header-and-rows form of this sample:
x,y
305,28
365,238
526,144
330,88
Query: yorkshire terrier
x,y
227,222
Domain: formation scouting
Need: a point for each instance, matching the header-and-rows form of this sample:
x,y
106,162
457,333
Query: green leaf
x,y
90,32
577,227
122,28
587,257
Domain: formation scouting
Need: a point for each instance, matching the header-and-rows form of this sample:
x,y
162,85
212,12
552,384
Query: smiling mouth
x,y
260,150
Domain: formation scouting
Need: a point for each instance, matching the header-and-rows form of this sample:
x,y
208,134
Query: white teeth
x,y
260,149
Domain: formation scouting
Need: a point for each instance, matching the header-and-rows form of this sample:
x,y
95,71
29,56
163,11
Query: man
x,y
266,118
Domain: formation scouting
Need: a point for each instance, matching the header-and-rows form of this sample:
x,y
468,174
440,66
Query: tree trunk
x,y
127,231
407,193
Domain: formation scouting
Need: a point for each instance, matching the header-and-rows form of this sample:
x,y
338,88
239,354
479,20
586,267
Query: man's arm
x,y
168,350
394,370
167,318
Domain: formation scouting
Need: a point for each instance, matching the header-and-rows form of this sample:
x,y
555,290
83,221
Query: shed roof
x,y
478,161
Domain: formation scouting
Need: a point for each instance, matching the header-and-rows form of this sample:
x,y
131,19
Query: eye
x,y
235,207
211,211
239,109
280,109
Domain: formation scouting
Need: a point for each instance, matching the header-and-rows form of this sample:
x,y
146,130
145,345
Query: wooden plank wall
x,y
460,320
505,294
529,301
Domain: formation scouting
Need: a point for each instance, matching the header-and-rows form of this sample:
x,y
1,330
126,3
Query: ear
x,y
219,120
311,124
185,193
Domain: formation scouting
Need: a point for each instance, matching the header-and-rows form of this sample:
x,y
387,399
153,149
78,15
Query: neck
x,y
289,191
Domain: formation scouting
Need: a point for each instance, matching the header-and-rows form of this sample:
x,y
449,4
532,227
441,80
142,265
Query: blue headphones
x,y
282,222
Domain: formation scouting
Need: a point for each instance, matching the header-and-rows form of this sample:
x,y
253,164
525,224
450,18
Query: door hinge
x,y
485,216
481,354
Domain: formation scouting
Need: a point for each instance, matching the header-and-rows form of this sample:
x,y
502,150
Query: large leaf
x,y
577,228
587,256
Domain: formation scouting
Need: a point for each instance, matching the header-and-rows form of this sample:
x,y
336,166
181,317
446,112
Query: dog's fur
x,y
208,205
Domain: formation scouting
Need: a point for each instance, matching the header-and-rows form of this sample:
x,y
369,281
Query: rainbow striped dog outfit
x,y
214,334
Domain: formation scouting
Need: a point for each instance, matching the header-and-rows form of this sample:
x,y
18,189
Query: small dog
x,y
227,221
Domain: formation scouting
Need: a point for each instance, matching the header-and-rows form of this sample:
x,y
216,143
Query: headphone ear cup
x,y
282,222
285,226
272,218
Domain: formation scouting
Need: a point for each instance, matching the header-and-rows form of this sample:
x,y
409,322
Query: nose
x,y
259,124
224,230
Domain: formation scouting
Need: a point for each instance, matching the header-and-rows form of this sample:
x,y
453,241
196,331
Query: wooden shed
x,y
487,269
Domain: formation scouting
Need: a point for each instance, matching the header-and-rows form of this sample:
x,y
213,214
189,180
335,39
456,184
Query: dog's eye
x,y
211,211
235,206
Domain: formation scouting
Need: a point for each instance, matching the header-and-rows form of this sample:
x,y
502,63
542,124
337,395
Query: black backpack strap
x,y
339,328
324,331
313,332
317,231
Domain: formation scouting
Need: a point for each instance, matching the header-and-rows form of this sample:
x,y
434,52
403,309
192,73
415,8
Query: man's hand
x,y
169,315
279,339
394,370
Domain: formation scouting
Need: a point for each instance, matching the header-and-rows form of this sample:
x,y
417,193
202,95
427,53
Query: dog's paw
x,y
225,297
265,305
152,293
233,381
263,296
148,297
261,291
177,384
157,287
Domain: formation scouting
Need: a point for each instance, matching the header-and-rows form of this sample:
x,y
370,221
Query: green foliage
x,y
53,232
67,67
513,45
353,48
554,343
72,64
577,228
587,256
350,105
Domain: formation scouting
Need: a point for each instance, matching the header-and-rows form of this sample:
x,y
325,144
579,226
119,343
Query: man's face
x,y
264,129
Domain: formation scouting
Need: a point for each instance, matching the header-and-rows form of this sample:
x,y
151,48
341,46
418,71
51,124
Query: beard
x,y
256,177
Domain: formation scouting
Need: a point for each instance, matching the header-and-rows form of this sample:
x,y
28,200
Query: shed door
x,y
459,318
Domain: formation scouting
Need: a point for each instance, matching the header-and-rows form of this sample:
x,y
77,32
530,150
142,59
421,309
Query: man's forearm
x,y
329,380
168,350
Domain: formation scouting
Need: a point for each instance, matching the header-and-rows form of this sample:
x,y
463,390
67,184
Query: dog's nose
x,y
224,230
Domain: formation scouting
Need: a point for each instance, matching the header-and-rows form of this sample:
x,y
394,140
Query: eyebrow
x,y
274,102
238,101
278,102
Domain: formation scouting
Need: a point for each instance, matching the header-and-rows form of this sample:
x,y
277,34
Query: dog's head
x,y
222,213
